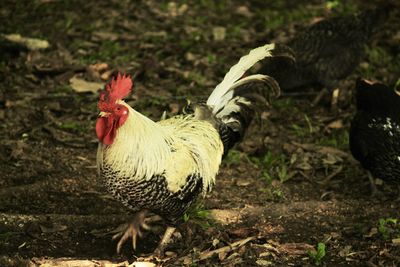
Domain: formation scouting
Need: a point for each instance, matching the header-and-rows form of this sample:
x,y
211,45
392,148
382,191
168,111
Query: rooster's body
x,y
160,166
375,130
163,166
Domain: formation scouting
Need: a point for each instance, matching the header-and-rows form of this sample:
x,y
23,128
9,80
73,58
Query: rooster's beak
x,y
104,114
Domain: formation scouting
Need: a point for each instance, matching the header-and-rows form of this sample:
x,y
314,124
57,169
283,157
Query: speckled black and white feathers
x,y
327,51
375,130
153,194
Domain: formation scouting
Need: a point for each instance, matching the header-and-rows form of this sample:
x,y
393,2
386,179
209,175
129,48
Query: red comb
x,y
117,89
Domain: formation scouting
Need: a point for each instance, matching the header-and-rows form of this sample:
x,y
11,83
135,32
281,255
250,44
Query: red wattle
x,y
110,135
101,125
106,130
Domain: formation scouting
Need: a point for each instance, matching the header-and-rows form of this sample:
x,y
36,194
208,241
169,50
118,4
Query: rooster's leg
x,y
132,230
164,241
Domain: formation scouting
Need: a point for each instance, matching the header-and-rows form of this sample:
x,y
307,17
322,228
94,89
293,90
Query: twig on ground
x,y
325,150
208,254
333,174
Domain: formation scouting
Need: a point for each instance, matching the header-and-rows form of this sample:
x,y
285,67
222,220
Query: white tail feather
x,y
229,93
217,98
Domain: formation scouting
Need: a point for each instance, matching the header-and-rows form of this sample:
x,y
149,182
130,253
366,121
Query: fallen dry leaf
x,y
225,216
142,264
83,86
337,124
244,11
331,159
295,249
29,43
396,241
219,33
68,262
99,67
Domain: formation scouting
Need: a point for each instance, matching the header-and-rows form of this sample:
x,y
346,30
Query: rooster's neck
x,y
140,148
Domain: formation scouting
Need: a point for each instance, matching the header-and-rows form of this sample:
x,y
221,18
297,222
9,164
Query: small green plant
x,y
284,104
278,194
72,125
298,130
338,139
303,130
385,227
397,85
272,166
235,157
211,58
199,214
309,124
282,173
378,55
317,256
197,77
332,4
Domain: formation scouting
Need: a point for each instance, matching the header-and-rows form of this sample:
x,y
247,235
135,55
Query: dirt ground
x,y
291,185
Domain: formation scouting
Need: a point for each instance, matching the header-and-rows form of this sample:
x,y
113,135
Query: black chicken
x,y
375,131
327,51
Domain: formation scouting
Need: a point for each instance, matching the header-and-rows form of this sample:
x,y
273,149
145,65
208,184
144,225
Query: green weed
x,y
317,256
198,214
305,130
235,157
332,4
338,139
386,227
377,56
397,85
299,131
284,104
278,194
272,166
211,58
70,125
198,78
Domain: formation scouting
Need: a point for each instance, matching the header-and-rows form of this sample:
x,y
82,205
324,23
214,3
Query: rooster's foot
x,y
132,230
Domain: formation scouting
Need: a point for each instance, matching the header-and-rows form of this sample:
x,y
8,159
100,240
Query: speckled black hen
x,y
327,51
375,130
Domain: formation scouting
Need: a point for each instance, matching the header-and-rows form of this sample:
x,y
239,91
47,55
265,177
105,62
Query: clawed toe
x,y
132,230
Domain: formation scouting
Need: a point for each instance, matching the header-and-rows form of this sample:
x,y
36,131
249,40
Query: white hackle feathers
x,y
222,93
139,150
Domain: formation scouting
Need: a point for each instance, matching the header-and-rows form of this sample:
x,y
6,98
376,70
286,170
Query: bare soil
x,y
290,185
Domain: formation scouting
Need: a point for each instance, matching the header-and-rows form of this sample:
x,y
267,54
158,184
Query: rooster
x,y
327,51
374,136
161,167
